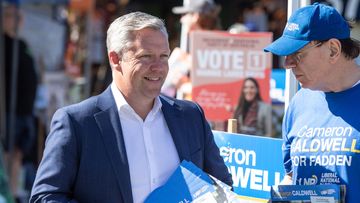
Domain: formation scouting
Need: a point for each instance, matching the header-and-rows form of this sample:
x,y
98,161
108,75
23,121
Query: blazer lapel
x,y
109,124
176,123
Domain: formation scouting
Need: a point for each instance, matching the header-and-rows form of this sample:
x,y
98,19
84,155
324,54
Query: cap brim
x,y
181,10
285,46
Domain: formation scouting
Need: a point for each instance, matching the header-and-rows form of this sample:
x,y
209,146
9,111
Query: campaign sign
x,y
220,63
308,193
254,162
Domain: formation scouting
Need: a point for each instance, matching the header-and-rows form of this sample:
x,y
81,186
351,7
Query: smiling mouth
x,y
152,78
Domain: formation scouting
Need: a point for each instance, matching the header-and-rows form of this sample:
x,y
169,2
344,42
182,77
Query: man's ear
x,y
335,50
114,59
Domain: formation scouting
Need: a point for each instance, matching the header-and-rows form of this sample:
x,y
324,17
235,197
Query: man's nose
x,y
158,63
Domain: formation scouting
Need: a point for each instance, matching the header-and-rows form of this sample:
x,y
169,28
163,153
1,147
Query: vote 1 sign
x,y
220,63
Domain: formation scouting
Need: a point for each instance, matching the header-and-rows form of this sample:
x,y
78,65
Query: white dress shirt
x,y
150,149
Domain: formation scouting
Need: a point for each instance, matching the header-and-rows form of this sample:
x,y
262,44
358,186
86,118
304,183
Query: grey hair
x,y
121,32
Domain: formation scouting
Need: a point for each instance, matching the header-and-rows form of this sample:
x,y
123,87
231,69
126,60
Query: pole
x,y
184,37
291,84
2,83
87,64
232,126
13,93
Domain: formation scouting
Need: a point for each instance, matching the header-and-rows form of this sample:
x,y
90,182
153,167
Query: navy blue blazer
x,y
85,157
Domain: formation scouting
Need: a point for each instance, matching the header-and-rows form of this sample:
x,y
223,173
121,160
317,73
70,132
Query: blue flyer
x,y
190,184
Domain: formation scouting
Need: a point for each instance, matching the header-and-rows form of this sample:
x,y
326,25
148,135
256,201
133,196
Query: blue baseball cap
x,y
313,22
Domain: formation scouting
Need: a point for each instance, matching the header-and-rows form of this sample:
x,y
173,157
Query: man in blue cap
x,y
321,127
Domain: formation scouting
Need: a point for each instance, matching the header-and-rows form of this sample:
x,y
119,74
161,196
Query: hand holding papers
x,y
190,184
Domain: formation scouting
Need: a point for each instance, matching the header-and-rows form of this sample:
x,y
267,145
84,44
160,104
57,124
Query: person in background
x,y
199,15
121,145
21,132
256,18
196,15
321,127
253,115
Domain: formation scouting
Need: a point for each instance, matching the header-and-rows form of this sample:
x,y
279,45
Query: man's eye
x,y
164,57
145,56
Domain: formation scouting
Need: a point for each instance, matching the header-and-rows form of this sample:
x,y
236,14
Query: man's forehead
x,y
148,32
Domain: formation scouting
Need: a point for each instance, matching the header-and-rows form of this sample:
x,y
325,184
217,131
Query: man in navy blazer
x,y
124,143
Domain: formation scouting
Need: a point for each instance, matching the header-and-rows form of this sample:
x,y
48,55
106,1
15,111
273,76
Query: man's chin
x,y
153,93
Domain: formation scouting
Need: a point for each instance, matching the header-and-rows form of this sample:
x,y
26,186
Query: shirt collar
x,y
121,103
358,82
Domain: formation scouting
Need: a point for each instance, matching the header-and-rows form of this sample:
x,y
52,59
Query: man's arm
x,y
58,168
286,148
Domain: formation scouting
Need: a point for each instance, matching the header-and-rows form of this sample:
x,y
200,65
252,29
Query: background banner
x,y
254,162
